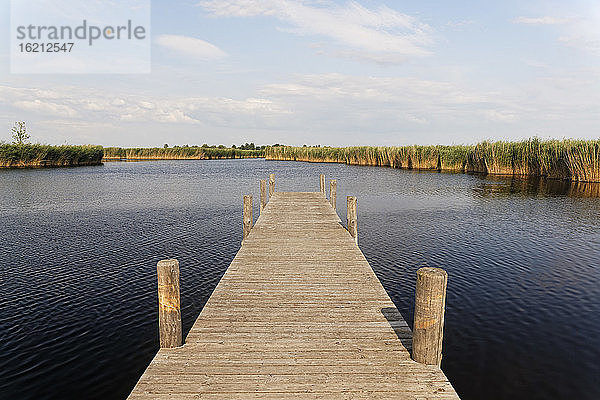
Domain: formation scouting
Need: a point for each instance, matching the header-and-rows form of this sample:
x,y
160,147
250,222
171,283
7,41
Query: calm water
x,y
78,252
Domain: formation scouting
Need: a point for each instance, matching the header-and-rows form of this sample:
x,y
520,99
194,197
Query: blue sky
x,y
330,73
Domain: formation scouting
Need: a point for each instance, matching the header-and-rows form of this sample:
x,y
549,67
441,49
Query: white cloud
x,y
460,23
376,90
370,105
584,41
102,106
536,63
576,32
378,58
501,116
374,33
46,107
329,108
541,20
191,47
346,103
583,34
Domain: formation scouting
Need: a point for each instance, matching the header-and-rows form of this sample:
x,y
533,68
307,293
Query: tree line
x,y
245,146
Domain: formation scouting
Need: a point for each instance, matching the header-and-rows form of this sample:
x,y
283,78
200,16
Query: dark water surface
x,y
78,253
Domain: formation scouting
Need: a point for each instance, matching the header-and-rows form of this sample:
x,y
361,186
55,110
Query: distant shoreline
x,y
574,160
177,153
46,156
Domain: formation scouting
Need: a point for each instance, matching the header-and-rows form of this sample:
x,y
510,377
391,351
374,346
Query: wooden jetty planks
x,y
299,314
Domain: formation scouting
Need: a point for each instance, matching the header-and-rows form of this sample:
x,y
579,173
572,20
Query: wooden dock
x,y
299,314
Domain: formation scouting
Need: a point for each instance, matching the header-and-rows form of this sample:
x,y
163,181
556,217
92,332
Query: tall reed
x,y
577,160
39,155
177,153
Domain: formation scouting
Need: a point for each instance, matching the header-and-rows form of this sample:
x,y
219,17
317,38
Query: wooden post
x,y
322,183
351,217
271,185
332,192
428,328
169,306
263,194
247,217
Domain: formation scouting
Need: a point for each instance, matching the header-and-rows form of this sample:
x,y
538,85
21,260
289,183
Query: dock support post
x,y
428,328
351,217
332,192
263,194
322,183
169,306
271,185
247,217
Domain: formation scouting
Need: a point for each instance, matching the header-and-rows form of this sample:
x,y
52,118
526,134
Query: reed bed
x,y
39,155
575,160
177,153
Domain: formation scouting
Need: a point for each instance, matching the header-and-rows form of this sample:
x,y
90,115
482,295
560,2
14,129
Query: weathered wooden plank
x,y
247,216
430,300
169,310
271,185
299,314
263,194
333,193
273,395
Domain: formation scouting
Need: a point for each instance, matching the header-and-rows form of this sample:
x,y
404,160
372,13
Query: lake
x,y
79,246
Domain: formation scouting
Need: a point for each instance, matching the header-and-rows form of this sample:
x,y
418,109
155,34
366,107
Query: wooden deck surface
x,y
299,314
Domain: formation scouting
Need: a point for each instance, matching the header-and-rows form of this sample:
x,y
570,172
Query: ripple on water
x,y
80,249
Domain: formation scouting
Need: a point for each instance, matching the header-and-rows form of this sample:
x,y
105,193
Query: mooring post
x,y
322,183
428,328
263,194
332,192
247,217
351,217
169,306
271,185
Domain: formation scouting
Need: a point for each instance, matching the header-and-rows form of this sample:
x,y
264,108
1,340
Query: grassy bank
x,y
177,153
38,155
577,160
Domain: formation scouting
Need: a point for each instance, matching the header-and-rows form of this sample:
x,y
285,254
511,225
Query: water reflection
x,y
535,186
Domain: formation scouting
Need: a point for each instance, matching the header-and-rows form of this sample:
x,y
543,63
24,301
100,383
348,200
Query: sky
x,y
333,73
